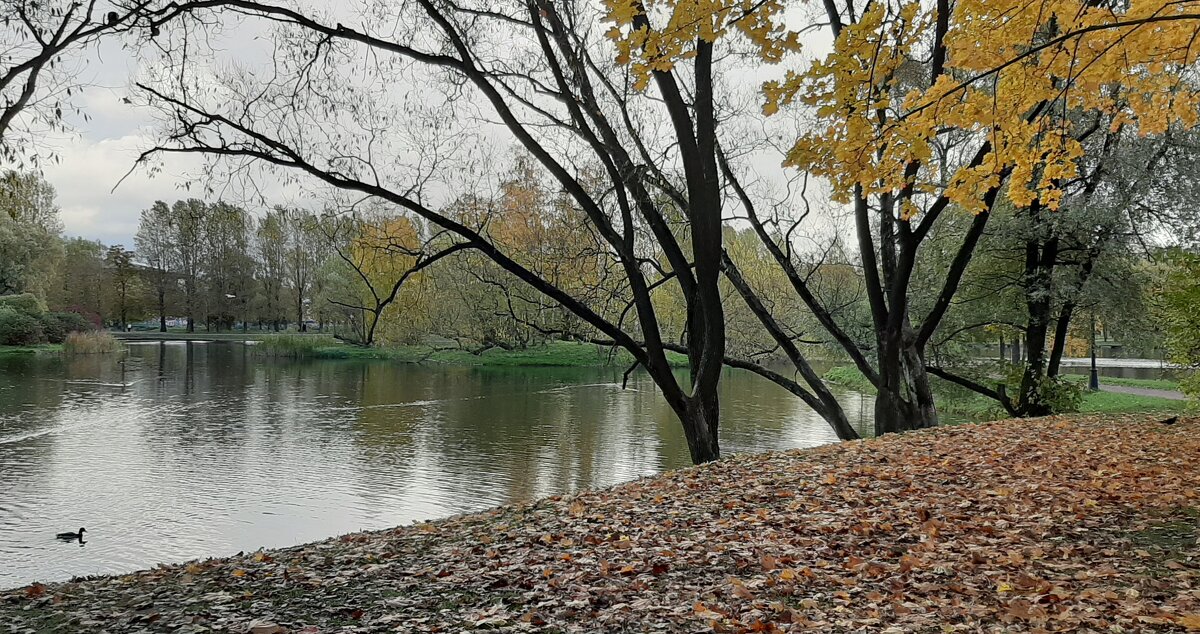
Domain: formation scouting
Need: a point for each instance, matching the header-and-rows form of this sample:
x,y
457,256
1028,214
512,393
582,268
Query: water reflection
x,y
189,450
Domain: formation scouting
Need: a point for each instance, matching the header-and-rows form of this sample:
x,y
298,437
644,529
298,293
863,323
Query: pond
x,y
185,450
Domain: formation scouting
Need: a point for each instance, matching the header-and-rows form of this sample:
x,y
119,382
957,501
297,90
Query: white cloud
x,y
85,178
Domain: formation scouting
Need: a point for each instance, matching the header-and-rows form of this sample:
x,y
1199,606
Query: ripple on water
x,y
194,451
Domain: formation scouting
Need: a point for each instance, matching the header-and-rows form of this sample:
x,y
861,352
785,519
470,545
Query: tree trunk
x,y
925,408
1040,259
700,429
904,401
190,300
162,309
1029,402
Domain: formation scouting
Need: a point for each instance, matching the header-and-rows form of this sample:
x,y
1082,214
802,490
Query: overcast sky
x,y
99,198
92,161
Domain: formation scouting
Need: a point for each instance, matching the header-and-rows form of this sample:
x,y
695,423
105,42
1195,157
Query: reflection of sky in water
x,y
190,451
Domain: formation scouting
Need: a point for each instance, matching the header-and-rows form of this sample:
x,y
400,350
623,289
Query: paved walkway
x,y
1143,391
1103,362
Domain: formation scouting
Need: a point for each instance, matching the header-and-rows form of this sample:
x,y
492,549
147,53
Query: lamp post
x,y
1094,377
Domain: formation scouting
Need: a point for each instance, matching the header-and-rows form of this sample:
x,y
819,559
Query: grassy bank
x,y
958,529
958,402
41,348
1153,384
551,354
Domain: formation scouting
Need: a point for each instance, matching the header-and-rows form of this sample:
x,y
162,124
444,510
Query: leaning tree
x,y
538,73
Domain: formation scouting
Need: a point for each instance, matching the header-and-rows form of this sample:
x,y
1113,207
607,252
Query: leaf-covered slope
x,y
1051,525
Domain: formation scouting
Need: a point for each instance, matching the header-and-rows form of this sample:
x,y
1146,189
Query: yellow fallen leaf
x,y
238,573
1191,622
1004,586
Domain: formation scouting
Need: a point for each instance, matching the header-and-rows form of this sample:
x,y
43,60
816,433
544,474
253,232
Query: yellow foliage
x,y
654,35
1013,69
384,250
545,232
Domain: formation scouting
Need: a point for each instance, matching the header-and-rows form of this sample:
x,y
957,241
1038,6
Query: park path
x,y
1144,391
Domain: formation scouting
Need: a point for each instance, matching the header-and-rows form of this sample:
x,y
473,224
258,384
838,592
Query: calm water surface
x,y
196,450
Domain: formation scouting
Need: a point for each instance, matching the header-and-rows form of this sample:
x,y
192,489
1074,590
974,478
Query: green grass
x,y
1154,384
957,403
295,346
849,377
551,354
1114,403
41,348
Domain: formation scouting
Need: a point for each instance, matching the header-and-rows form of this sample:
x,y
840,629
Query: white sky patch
x,y
85,178
95,160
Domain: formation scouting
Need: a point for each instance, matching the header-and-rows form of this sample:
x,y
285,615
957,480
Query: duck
x,y
78,535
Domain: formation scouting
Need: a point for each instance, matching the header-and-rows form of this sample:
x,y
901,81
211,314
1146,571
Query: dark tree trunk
x,y
700,421
1061,332
190,299
1040,259
162,309
904,399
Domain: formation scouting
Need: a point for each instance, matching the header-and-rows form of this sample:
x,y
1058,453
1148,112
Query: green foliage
x,y
1179,306
19,328
29,234
27,303
1061,395
91,342
58,325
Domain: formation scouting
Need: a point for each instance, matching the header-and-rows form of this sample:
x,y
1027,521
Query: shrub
x,y
53,330
27,303
58,325
18,328
91,342
1061,395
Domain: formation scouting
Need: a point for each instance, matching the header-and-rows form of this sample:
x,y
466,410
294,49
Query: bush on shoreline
x,y
24,322
93,342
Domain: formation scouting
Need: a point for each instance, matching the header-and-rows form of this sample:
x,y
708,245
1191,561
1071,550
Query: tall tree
x,y
81,280
188,219
304,251
155,248
926,106
30,244
227,265
122,277
1042,268
271,249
